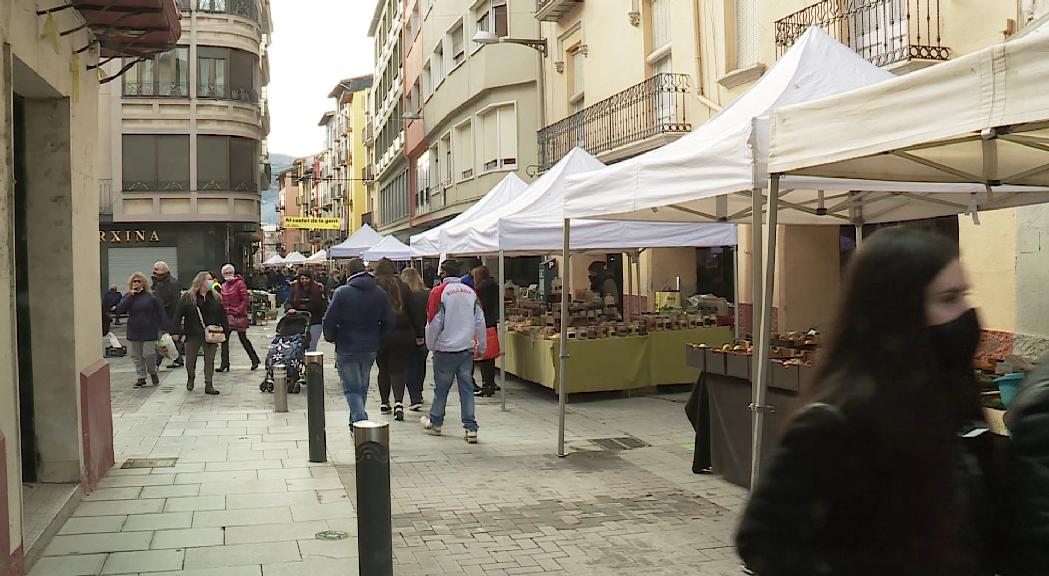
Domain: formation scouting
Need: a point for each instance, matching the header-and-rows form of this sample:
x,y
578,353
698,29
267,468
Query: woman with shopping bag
x,y
488,293
201,319
237,303
146,319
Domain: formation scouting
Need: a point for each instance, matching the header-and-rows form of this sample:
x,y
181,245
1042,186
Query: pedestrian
x,y
886,470
1027,489
602,282
165,287
237,302
199,309
110,300
415,372
146,320
356,321
455,322
488,292
307,295
398,345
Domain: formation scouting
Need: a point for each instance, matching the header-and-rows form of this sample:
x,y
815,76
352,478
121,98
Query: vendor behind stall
x,y
602,282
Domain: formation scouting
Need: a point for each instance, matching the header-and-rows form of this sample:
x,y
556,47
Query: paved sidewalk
x,y
239,498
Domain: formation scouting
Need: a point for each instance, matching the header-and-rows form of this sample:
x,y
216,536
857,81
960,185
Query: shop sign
x,y
306,223
127,236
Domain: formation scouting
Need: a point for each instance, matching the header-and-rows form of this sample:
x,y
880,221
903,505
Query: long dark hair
x,y
902,407
386,277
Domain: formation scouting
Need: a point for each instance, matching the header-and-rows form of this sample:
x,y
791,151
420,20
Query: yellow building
x,y
604,56
352,155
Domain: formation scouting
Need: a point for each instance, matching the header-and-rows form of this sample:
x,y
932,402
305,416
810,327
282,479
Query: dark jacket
x,y
401,340
310,300
1028,474
168,292
187,322
358,317
488,292
111,299
823,493
417,308
146,317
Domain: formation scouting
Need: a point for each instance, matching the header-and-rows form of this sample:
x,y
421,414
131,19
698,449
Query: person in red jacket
x,y
237,302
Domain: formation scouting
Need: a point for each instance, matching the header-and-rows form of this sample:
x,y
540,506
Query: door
x,y
22,300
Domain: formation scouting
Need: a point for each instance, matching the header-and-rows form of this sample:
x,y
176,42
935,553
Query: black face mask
x,y
955,342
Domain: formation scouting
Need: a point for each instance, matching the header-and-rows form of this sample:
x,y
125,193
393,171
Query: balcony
x,y
554,10
243,8
157,89
653,109
888,33
224,92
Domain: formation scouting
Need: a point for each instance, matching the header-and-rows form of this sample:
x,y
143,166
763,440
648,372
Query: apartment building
x,y
386,107
472,109
288,206
56,438
183,146
352,158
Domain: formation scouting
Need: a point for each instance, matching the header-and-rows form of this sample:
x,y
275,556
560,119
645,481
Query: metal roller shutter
x,y
123,262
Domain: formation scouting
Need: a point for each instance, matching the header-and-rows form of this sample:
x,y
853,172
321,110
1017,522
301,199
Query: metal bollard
x,y
374,524
315,406
280,388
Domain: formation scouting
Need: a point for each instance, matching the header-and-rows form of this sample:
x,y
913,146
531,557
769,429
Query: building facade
x,y
183,158
389,163
472,110
288,206
349,149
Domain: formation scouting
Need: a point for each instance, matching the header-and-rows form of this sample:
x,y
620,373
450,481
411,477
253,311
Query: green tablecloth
x,y
620,363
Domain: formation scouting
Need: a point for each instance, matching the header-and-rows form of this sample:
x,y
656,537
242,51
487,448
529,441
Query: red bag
x,y
493,350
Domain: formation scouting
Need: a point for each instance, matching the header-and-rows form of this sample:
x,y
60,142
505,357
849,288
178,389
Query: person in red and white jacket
x,y
455,333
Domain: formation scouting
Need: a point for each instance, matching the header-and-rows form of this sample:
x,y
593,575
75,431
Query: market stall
x,y
274,260
356,244
294,259
431,243
389,247
318,258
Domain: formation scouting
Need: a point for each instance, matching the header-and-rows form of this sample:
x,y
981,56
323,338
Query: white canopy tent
x,y
320,257
430,243
274,260
391,248
294,259
356,244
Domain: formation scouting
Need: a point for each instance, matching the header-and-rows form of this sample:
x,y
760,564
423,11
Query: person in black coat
x,y
415,373
197,309
109,301
488,293
307,295
886,471
1028,475
166,288
398,345
146,320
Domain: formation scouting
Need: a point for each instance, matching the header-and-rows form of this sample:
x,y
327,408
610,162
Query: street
x,y
232,493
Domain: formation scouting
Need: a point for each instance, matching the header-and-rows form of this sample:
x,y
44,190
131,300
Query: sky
x,y
312,49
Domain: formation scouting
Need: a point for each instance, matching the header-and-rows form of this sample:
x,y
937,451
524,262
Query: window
x,y
746,33
422,182
464,143
427,84
437,67
577,94
155,163
227,163
659,23
211,72
448,176
458,49
434,181
227,73
393,199
499,138
166,75
245,8
492,17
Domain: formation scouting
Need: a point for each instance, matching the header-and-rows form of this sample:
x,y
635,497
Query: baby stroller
x,y
289,348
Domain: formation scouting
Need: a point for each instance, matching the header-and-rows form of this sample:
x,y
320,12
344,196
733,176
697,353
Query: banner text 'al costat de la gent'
x,y
313,223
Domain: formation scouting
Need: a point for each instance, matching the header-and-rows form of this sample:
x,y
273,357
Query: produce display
x,y
791,357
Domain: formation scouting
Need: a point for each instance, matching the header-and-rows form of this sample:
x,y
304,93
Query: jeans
x,y
458,365
243,342
192,346
355,372
316,333
142,354
415,374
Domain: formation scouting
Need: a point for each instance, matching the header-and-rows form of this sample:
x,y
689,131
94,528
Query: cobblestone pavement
x,y
240,498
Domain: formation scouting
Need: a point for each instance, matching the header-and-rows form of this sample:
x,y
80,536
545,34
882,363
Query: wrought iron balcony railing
x,y
158,89
243,8
652,108
885,32
222,91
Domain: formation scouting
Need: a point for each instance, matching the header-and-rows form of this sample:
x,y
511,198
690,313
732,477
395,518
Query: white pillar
x,y
566,298
502,329
763,333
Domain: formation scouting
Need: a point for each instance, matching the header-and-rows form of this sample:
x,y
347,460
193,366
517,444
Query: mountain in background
x,y
278,164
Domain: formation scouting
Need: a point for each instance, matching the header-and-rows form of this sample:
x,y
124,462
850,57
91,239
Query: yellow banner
x,y
313,223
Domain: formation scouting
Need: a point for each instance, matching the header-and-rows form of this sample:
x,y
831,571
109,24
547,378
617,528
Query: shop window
x,y
154,163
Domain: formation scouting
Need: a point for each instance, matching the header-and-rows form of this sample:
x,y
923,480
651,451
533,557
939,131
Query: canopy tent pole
x,y
764,333
755,305
630,286
735,288
637,279
566,297
859,236
502,328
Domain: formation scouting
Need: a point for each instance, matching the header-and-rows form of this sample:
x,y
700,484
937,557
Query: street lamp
x,y
486,37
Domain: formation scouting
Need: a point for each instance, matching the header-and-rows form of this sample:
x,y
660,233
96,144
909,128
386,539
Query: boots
x,y
398,411
155,378
141,382
189,385
209,389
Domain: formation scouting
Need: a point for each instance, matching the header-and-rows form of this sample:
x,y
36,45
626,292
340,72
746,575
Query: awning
x,y
132,27
391,248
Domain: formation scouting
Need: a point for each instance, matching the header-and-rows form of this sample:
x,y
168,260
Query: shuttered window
x,y
746,33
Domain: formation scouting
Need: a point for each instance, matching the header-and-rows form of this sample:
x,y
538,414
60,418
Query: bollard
x,y
374,527
315,406
280,388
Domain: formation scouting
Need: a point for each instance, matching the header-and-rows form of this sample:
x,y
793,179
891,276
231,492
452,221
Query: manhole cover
x,y
149,463
332,535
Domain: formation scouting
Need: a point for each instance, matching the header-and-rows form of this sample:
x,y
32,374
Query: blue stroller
x,y
289,348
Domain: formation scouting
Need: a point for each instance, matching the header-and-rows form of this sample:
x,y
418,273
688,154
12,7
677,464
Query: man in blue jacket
x,y
358,316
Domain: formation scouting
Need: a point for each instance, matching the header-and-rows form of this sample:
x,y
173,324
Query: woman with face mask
x,y
886,470
237,302
199,308
307,295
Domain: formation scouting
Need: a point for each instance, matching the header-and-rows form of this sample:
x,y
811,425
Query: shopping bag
x,y
113,342
493,351
166,347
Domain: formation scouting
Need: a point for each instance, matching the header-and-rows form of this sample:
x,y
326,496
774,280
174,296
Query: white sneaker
x,y
471,436
428,427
